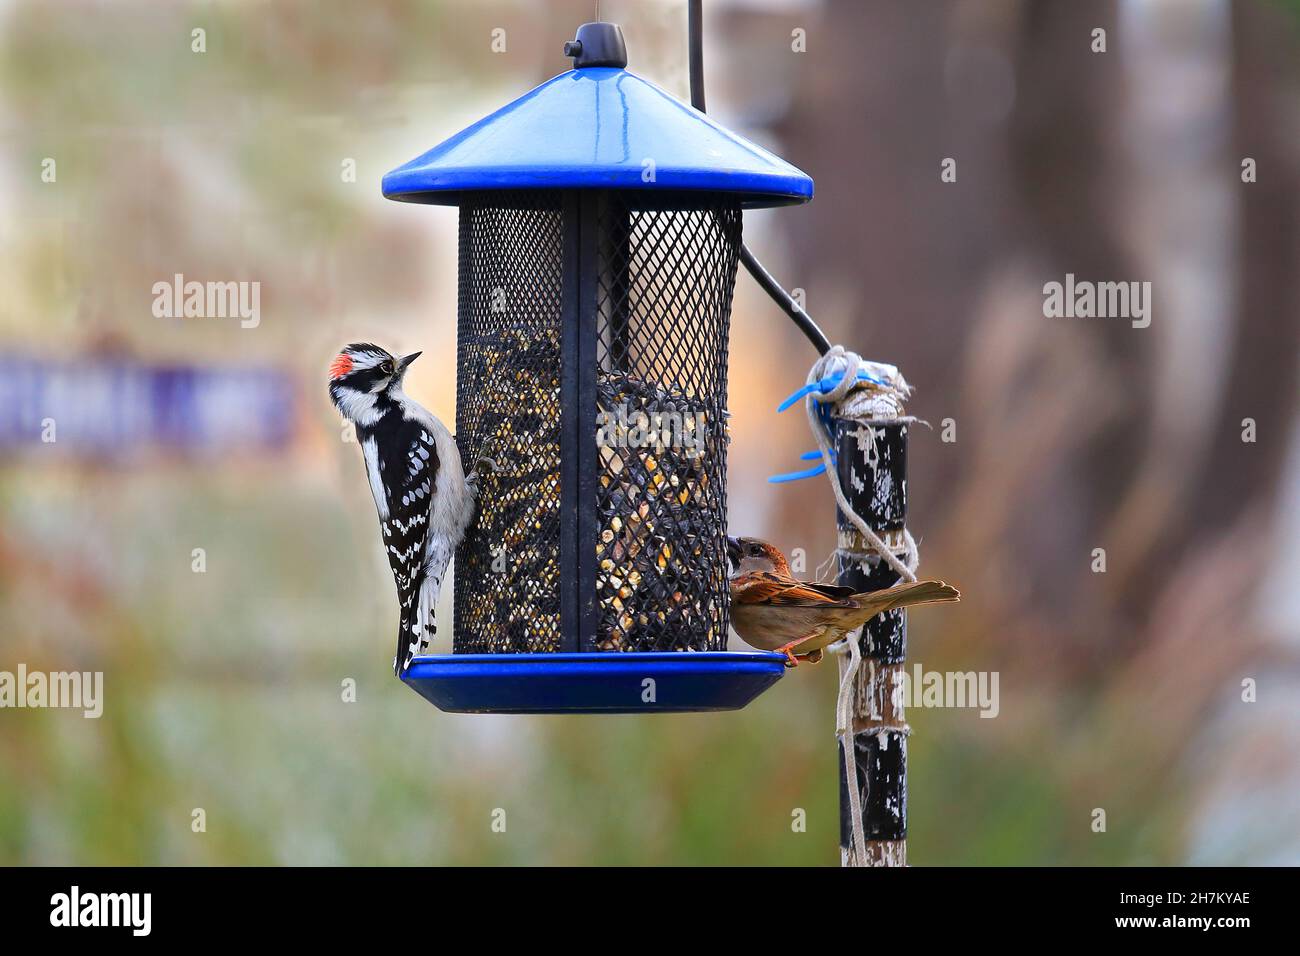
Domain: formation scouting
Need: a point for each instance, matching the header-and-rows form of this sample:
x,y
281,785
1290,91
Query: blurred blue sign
x,y
113,406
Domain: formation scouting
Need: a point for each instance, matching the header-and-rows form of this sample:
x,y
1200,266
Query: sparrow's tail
x,y
907,594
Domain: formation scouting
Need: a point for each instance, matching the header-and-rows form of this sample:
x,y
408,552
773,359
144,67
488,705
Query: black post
x,y
579,462
872,470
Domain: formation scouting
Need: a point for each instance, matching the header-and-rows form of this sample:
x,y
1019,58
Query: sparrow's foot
x,y
791,659
812,657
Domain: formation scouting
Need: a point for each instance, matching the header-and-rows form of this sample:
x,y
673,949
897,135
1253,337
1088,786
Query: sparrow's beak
x,y
733,550
406,360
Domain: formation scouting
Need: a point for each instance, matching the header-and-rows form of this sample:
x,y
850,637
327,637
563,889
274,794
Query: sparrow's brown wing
x,y
836,592
764,587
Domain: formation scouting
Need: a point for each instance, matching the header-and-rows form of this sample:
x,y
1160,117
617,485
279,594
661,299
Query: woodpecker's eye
x,y
386,367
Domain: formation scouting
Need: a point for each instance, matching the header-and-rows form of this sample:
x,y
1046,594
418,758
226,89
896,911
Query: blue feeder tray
x,y
603,683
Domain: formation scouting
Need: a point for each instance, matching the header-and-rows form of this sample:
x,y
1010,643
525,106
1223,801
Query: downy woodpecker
x,y
425,500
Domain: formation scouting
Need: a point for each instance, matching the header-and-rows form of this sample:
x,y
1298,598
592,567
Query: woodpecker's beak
x,y
733,550
402,363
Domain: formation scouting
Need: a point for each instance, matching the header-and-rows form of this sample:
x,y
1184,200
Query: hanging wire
x,y
694,41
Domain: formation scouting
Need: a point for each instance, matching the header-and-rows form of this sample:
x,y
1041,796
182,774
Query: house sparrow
x,y
772,611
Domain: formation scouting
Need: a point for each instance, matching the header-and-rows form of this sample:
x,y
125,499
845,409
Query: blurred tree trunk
x,y
1265,375
945,279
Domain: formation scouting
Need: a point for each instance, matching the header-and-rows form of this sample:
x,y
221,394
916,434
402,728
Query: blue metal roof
x,y
593,128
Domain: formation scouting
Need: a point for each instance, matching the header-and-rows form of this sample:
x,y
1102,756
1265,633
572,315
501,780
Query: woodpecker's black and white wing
x,y
402,462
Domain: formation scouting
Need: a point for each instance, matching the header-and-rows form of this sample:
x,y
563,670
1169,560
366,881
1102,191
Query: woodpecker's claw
x,y
483,466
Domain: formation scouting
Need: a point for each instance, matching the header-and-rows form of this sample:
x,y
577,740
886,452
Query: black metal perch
x,y
872,464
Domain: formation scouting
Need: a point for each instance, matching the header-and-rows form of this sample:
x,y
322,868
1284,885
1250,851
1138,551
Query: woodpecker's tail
x,y
907,594
418,627
408,642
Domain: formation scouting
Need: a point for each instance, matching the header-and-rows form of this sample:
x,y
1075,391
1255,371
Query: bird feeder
x,y
600,227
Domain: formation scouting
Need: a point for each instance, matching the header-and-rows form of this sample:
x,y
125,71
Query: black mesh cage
x,y
592,362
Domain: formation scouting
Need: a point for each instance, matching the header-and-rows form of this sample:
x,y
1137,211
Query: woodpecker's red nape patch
x,y
341,366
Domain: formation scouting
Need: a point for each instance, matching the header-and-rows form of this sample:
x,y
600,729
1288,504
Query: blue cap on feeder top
x,y
598,127
600,231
